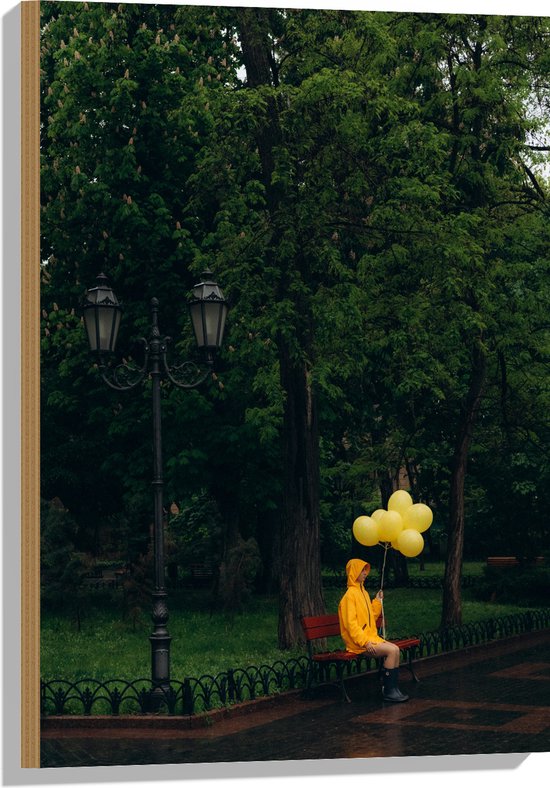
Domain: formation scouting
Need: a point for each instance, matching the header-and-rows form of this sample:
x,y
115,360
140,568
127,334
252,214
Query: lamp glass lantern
x,y
102,313
208,309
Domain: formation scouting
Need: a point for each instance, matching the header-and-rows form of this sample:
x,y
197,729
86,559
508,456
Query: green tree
x,y
366,191
124,114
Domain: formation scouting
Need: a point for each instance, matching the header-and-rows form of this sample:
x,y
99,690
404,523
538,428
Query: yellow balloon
x,y
377,514
365,530
410,542
400,501
391,525
418,517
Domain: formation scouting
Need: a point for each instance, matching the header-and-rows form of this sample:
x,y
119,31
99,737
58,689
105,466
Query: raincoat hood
x,y
354,567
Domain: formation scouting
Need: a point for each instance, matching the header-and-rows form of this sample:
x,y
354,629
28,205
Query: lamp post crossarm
x,y
125,376
185,374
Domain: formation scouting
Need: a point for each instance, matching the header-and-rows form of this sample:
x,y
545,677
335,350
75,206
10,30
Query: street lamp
x,y
102,315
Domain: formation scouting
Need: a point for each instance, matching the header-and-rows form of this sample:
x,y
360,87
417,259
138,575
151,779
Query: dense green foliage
x,y
397,255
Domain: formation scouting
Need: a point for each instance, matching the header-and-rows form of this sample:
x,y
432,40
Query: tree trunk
x,y
451,614
300,588
253,24
300,584
227,500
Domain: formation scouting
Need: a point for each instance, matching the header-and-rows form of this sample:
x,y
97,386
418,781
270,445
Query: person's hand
x,y
380,595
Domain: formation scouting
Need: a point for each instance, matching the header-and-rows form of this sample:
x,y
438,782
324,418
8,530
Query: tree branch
x,y
533,179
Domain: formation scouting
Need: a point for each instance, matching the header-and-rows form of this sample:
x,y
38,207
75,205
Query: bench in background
x,y
504,561
201,575
320,627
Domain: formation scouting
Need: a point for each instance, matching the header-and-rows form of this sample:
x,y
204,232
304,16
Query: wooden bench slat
x,y
315,621
330,656
511,560
315,633
502,561
406,642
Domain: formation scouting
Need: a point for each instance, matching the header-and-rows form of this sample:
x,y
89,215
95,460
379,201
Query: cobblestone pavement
x,y
487,699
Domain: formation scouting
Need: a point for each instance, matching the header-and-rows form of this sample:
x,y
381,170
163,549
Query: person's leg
x,y
388,651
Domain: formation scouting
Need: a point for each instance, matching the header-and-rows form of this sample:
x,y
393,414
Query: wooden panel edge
x,y
30,384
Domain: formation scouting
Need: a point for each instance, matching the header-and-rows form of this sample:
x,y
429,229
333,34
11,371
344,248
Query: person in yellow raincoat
x,y
358,615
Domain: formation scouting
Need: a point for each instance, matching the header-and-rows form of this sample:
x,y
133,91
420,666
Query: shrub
x,y
237,574
62,568
195,534
523,584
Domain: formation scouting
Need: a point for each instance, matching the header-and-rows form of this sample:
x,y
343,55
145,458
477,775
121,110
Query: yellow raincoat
x,y
357,613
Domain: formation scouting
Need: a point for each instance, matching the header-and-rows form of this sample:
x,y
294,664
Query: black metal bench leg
x,y
309,682
310,677
410,666
344,694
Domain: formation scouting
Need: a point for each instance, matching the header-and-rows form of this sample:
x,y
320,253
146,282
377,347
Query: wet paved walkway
x,y
487,699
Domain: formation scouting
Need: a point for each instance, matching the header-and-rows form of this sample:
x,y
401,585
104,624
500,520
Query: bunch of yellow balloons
x,y
401,525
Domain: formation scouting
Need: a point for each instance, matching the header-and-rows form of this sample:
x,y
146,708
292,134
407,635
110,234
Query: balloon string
x,y
382,588
383,566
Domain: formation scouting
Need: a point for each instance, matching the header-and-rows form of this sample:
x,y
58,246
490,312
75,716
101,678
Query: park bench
x,y
201,574
320,627
94,574
503,561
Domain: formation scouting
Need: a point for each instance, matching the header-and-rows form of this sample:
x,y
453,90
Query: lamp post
x,y
102,316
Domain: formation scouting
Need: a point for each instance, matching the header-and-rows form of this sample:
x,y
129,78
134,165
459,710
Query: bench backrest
x,y
316,627
507,560
498,560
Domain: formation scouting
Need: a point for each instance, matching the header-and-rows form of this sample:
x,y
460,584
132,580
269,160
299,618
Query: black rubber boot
x,y
390,690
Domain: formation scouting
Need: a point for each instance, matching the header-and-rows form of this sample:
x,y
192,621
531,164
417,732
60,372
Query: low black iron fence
x,y
190,696
194,695
479,632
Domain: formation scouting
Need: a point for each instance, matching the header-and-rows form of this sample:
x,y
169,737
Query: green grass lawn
x,y
437,569
205,642
202,642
